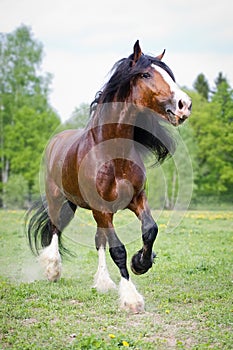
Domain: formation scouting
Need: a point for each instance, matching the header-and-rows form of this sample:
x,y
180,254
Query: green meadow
x,y
188,292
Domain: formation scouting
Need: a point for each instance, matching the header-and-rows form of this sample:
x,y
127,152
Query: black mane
x,y
123,72
155,135
118,88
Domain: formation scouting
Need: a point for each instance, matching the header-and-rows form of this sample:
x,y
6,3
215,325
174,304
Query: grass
x,y
188,293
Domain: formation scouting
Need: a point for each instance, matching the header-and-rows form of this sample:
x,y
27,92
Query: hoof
x,y
140,265
52,267
134,308
51,262
130,299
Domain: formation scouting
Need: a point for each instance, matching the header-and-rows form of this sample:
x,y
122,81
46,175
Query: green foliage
x,y
208,137
27,121
20,82
213,131
29,133
15,192
220,79
26,118
201,85
172,183
79,117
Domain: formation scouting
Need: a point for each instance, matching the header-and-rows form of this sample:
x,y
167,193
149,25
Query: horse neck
x,y
113,120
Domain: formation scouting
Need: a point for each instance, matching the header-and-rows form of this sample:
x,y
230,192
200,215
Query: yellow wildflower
x,y
125,343
112,336
162,226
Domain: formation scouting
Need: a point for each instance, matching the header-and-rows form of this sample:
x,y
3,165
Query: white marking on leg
x,y
130,299
50,259
102,280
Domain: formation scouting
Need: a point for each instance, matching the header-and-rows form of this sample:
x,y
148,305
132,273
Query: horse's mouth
x,y
175,119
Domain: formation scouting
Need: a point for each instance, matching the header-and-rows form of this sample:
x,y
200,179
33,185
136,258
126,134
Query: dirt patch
x,y
29,321
156,329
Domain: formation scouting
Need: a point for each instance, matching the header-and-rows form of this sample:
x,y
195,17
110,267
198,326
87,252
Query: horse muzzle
x,y
180,111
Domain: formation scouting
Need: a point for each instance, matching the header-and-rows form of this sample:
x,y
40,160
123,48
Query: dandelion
x,y
112,336
125,343
162,226
167,311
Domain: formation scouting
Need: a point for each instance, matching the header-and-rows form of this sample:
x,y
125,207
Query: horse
x,y
101,168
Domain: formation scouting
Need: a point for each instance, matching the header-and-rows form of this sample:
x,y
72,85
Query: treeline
x,y
208,137
26,118
203,162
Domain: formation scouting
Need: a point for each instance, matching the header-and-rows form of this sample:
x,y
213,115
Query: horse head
x,y
154,86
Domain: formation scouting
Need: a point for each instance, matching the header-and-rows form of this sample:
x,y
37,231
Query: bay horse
x,y
101,168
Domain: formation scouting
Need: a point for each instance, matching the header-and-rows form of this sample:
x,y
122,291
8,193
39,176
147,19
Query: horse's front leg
x,y
102,280
130,299
143,260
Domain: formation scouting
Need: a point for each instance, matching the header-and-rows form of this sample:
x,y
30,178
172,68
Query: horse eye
x,y
145,75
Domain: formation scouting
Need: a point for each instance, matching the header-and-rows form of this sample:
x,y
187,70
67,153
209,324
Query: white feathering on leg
x,y
130,299
102,280
50,259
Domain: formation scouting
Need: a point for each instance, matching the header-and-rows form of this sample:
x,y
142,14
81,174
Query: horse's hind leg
x,y
102,280
50,259
60,212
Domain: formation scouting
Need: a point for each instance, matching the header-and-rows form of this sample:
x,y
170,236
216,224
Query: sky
x,y
82,39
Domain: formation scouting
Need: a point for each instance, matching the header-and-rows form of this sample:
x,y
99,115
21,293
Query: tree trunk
x,y
5,176
173,195
167,201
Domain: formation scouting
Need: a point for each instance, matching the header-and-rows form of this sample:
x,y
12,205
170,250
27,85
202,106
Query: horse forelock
x,y
164,67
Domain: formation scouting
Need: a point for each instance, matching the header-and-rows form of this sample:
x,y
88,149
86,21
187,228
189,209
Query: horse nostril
x,y
180,104
190,107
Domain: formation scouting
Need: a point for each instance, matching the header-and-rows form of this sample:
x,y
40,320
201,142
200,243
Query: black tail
x,y
39,225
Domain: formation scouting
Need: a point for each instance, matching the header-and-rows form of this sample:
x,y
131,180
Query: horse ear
x,y
159,57
137,52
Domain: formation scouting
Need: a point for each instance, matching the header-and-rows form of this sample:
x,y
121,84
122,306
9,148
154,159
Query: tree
x,y
15,194
171,185
213,128
27,119
79,117
29,133
220,79
201,85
